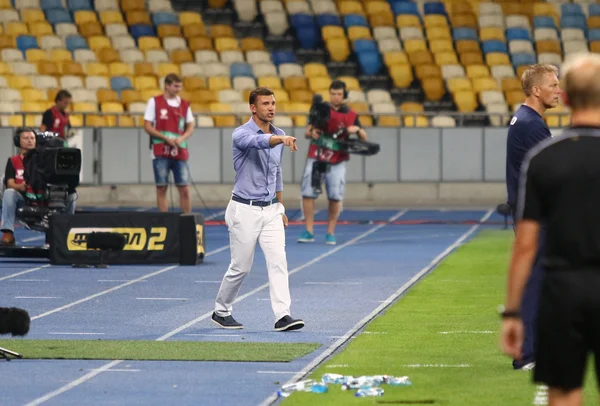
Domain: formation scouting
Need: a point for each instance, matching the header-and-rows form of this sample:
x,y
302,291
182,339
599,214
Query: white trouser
x,y
247,225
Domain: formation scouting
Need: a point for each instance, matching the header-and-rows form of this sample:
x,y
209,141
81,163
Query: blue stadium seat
x,y
434,8
58,15
523,59
365,45
594,34
465,33
142,30
74,42
573,21
569,9
302,20
544,22
308,36
80,5
240,69
50,4
517,33
328,19
351,20
594,10
494,45
405,7
165,18
370,62
280,57
25,42
119,83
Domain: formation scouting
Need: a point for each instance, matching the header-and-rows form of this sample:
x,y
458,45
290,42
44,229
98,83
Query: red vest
x,y
171,122
337,120
60,121
17,162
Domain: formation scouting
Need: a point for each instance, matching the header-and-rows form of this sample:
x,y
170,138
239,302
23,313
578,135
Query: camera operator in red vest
x,y
169,122
56,118
341,118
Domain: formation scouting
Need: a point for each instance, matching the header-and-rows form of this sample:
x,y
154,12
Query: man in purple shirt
x,y
256,213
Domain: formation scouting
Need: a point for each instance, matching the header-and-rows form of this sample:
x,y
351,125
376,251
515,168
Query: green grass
x,y
159,350
462,294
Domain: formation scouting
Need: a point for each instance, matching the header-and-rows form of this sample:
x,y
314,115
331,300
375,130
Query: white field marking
x,y
116,280
14,275
161,298
337,366
213,335
117,370
374,332
31,280
334,346
541,396
346,337
36,238
207,281
91,375
115,288
333,283
468,332
37,297
214,215
437,366
275,372
75,334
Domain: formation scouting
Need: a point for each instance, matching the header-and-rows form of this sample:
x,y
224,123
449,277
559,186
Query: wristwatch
x,y
509,314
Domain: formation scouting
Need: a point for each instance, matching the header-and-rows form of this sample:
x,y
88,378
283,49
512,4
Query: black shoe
x,y
227,322
286,323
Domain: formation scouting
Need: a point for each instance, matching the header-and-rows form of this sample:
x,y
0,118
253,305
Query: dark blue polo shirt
x,y
527,128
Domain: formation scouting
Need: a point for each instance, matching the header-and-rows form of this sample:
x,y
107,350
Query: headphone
x,y
344,86
17,136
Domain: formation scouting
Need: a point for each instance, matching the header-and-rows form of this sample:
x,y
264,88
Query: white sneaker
x,y
528,367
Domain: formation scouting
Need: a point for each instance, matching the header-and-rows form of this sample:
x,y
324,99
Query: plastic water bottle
x,y
399,381
302,386
333,378
362,393
319,387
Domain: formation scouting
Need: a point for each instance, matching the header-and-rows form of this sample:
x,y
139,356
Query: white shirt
x,y
150,114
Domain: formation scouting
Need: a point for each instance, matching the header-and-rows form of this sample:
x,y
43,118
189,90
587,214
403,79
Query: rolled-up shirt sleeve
x,y
244,139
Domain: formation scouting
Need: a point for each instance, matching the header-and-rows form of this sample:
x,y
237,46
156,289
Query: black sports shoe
x,y
227,322
286,323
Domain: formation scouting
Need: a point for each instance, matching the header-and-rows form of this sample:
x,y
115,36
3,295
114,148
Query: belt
x,y
259,203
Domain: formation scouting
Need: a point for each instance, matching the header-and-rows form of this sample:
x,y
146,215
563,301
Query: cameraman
x,y
341,118
16,187
56,118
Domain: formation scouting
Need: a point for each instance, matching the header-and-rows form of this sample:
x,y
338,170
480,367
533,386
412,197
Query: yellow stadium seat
x,y
296,107
405,20
5,69
332,31
147,43
420,57
389,121
319,84
226,44
440,45
200,43
295,83
20,82
221,31
509,84
135,17
36,55
377,7
492,33
91,29
358,32
98,42
40,28
301,95
459,84
272,82
168,30
48,68
16,28
465,101
481,84
428,71
497,58
32,15
189,18
7,41
97,69
145,82
381,20
71,68
194,83
466,20
548,46
521,69
315,69
223,121
435,20
467,45
84,16
351,7
204,96
33,95
127,5
111,17
352,82
595,46
60,55
402,75
107,95
111,107
219,83
93,120
144,69
338,49
471,58
131,96
514,97
164,69
416,121
437,33
477,71
412,107
281,96
395,58
180,56
6,5
125,121
108,55
360,107
412,45
76,120
194,30
85,107
252,44
446,58
120,69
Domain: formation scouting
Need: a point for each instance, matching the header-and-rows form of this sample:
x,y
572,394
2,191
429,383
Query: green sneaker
x,y
330,239
306,237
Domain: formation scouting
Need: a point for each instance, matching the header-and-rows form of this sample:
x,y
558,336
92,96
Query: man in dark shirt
x,y
527,128
56,118
560,187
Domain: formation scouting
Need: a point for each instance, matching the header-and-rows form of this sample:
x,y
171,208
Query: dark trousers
x,y
530,303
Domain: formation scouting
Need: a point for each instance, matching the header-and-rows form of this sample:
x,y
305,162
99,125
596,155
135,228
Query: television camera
x,y
319,116
52,171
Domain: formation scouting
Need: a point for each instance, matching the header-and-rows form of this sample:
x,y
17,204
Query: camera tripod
x,y
4,353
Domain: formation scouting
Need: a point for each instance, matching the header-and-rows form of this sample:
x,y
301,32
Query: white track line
x,y
91,375
31,280
161,298
333,347
114,288
468,332
14,275
437,366
37,297
74,334
37,238
115,280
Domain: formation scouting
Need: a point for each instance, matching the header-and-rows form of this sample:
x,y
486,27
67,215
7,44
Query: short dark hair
x,y
259,91
337,85
172,78
62,94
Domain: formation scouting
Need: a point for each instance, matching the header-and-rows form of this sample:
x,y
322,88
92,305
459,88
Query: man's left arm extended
x,y
356,128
